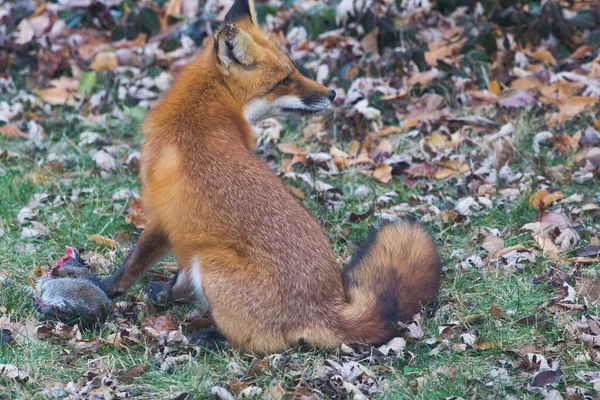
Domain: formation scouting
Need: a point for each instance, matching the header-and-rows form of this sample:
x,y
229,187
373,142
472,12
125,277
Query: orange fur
x,y
265,265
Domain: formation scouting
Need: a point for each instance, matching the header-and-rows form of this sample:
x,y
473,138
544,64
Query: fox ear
x,y
233,46
241,9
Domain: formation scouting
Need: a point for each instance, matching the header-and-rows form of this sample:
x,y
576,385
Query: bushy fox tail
x,y
393,275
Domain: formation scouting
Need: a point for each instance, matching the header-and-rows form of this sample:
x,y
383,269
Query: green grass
x,y
463,293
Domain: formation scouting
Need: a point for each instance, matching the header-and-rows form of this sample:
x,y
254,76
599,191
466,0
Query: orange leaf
x,y
525,84
292,149
105,61
581,52
37,272
544,55
544,198
383,173
11,131
574,106
57,96
494,87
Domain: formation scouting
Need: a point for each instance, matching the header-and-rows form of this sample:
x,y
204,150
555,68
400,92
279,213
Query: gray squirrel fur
x,y
70,294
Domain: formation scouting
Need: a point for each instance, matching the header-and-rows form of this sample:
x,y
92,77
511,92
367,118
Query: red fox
x,y
257,256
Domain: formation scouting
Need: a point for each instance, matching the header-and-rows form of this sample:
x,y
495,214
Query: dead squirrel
x,y
70,294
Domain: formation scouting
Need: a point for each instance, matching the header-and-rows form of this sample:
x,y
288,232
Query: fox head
x,y
261,78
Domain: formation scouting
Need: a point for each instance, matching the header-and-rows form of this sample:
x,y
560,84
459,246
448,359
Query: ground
x,y
496,152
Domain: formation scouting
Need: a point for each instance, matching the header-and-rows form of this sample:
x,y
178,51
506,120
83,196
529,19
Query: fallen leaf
x,y
543,198
292,149
495,312
383,173
105,61
494,87
544,55
257,367
133,372
12,372
574,106
103,241
11,131
163,323
492,244
518,99
86,346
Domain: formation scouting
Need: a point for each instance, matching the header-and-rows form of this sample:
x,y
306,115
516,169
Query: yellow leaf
x,y
544,55
437,141
544,198
103,241
105,61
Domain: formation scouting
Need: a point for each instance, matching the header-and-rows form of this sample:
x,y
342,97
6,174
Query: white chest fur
x,y
196,278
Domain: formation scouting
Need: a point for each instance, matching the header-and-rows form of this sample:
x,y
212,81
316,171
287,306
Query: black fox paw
x,y
158,292
212,340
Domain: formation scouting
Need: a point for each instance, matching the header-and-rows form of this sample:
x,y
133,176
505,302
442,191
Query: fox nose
x,y
331,94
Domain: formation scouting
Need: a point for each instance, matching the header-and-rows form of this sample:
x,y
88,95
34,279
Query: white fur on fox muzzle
x,y
259,109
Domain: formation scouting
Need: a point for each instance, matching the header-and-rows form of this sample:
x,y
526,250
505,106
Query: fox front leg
x,y
153,244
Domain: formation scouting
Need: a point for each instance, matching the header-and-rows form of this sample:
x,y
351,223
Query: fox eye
x,y
285,81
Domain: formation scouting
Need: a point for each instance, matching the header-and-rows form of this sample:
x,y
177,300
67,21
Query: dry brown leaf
x,y
86,346
420,170
161,323
11,372
292,149
133,372
383,173
11,131
574,106
495,312
174,8
276,391
525,84
440,51
105,61
589,290
354,148
58,96
492,244
450,168
581,52
545,56
369,43
438,141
